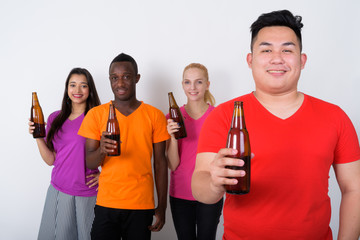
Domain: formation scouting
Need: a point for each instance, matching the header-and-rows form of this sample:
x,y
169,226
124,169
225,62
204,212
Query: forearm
x,y
173,154
203,190
161,182
46,154
349,224
94,158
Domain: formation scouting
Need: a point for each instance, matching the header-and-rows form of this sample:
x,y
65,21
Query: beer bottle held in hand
x,y
175,114
37,117
238,138
113,128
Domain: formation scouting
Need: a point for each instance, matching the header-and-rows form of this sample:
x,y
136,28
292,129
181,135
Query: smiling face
x,y
123,80
276,60
78,89
195,84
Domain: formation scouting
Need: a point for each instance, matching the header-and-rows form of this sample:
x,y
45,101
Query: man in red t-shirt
x,y
295,139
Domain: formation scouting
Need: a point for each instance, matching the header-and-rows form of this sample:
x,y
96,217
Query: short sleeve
x,y
159,127
214,132
347,148
90,127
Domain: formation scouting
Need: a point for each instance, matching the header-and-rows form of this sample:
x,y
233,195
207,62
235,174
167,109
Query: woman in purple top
x,y
192,219
70,200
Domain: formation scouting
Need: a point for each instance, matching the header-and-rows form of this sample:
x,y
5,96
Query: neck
x,y
128,106
277,99
281,105
196,109
77,110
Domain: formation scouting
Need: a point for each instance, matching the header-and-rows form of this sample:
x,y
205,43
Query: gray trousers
x,y
66,217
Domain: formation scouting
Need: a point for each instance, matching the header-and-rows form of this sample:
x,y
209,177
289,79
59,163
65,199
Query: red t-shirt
x,y
288,196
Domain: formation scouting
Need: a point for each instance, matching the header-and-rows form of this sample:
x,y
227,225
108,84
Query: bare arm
x,y
161,182
210,175
97,150
46,154
172,145
348,177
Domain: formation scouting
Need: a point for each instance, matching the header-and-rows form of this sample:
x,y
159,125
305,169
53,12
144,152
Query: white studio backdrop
x,y
41,41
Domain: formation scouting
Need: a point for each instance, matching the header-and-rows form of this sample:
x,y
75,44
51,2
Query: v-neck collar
x,y
267,112
202,116
131,114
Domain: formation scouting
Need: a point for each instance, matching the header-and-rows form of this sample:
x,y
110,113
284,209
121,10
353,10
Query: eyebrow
x,y
80,82
194,79
284,44
116,73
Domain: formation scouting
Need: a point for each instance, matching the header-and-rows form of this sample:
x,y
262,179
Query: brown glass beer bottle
x,y
37,117
238,138
113,128
175,114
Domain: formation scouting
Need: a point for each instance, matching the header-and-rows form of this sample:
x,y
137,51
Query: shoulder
x,y
322,106
98,109
152,110
53,115
229,105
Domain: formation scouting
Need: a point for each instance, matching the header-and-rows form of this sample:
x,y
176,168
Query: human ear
x,y
249,59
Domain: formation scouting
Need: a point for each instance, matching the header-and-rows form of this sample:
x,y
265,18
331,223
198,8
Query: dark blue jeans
x,y
194,220
111,223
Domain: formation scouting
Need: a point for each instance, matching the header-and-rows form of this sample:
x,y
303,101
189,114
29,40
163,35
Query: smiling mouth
x,y
121,91
77,95
276,71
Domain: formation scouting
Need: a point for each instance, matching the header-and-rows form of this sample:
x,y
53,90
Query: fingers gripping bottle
x,y
113,128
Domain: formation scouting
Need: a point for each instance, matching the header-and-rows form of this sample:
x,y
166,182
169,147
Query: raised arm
x,y
348,177
161,182
46,154
210,175
97,150
172,145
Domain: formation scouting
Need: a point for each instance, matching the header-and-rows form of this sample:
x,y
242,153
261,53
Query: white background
x,y
41,41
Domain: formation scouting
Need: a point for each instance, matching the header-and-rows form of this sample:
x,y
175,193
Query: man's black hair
x,y
277,18
122,57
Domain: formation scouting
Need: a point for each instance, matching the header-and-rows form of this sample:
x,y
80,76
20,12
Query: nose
x,y
78,89
192,86
276,57
120,82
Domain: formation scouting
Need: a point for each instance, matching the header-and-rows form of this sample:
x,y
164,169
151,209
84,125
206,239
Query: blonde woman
x,y
192,219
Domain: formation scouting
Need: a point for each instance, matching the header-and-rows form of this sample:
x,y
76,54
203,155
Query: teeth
x,y
276,71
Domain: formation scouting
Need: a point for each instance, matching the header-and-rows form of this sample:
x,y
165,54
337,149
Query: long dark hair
x,y
92,101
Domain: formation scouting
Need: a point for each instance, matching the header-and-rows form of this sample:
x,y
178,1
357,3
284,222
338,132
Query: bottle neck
x,y
172,102
35,100
112,114
238,119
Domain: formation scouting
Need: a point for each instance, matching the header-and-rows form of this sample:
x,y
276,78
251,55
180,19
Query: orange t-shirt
x,y
126,181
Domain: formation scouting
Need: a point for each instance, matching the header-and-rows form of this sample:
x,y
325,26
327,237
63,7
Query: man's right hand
x,y
219,174
106,144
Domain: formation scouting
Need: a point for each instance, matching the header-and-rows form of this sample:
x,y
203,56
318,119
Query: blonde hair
x,y
208,98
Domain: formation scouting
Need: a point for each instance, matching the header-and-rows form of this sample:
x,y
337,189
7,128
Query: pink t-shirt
x,y
69,171
180,182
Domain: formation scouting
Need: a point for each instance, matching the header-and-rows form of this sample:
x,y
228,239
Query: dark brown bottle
x,y
238,138
37,117
113,128
175,114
